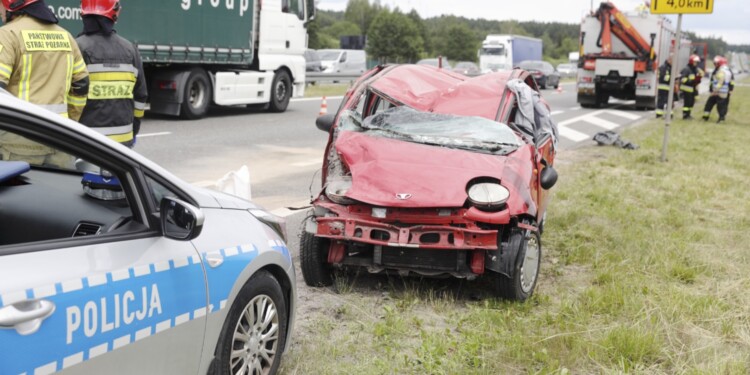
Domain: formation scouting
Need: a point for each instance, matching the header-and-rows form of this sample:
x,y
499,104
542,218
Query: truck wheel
x,y
254,332
520,286
197,95
281,91
313,253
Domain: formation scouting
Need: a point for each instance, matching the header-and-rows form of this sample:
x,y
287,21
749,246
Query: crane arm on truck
x,y
614,22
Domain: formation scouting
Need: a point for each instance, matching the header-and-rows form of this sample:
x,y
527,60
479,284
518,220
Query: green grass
x,y
326,89
645,271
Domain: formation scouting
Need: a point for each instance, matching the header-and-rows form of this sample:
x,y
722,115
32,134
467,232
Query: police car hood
x,y
229,201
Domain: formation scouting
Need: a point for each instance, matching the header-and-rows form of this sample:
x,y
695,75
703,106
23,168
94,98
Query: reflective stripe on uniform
x,y
56,108
24,91
79,67
139,109
117,133
5,70
112,76
96,68
78,101
687,88
664,87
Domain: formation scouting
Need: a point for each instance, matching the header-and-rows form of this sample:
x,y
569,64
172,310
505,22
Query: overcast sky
x,y
730,20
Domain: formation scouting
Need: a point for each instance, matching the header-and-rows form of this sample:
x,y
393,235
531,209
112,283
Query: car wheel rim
x,y
530,266
280,91
256,338
197,94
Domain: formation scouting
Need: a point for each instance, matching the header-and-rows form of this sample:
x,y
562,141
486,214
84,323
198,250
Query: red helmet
x,y
719,61
694,59
14,5
107,8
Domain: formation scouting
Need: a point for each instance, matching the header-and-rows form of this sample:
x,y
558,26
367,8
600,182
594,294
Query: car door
x,y
90,286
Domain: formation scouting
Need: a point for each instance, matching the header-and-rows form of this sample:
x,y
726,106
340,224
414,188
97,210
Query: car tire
x,y
313,255
197,95
520,286
261,292
281,92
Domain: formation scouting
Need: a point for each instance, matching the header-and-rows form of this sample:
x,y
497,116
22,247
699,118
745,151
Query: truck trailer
x,y
621,54
504,52
226,52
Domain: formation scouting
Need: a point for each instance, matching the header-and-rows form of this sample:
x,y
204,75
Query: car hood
x,y
385,172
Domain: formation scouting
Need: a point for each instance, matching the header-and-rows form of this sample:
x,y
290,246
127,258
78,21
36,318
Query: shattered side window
x,y
461,132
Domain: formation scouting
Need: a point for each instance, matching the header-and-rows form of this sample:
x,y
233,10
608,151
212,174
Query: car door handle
x,y
26,317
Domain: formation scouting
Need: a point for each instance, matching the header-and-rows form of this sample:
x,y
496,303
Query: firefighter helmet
x,y
106,8
695,59
719,61
15,5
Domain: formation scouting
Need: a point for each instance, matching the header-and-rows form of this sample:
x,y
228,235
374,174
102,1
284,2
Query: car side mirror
x,y
548,178
325,122
180,220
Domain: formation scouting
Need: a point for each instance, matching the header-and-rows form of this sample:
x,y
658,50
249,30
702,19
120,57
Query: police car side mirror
x,y
180,220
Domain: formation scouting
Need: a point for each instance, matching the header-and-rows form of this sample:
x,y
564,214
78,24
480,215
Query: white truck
x,y
225,52
620,55
504,52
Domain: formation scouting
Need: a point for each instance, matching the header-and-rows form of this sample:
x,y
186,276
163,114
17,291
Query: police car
x,y
158,277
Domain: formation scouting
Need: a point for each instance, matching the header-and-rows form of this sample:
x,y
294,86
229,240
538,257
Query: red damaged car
x,y
434,173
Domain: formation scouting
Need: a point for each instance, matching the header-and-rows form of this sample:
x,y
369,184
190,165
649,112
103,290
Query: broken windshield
x,y
468,133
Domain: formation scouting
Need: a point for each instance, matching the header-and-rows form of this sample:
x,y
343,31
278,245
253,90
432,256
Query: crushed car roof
x,y
429,89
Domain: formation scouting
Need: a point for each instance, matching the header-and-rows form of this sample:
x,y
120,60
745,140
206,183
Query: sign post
x,y
678,7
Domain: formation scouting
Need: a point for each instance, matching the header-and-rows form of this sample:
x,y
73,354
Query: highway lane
x,y
284,151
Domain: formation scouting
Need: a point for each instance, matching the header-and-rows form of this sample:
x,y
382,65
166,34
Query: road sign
x,y
682,6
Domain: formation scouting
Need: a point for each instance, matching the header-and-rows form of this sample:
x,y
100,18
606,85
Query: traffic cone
x,y
323,107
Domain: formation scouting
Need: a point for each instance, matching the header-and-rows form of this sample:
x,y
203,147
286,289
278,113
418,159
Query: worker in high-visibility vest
x,y
690,79
118,92
722,83
665,71
40,63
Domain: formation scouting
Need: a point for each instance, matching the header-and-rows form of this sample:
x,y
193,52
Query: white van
x,y
351,61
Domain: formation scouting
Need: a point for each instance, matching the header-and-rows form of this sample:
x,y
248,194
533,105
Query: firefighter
x,y
665,71
690,79
40,63
722,83
118,85
118,89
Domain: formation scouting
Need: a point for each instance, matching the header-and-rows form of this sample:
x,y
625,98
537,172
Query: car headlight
x,y
277,223
337,188
488,195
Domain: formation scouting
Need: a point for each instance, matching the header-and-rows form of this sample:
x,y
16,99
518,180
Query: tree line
x,y
394,35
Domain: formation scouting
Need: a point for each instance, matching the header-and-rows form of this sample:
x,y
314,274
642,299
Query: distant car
x,y
312,61
432,173
544,73
344,61
467,68
567,70
435,63
111,265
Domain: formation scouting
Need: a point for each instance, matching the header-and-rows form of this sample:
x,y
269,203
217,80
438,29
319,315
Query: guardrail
x,y
314,77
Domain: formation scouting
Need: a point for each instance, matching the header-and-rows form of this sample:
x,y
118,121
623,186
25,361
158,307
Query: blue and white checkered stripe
x,y
179,284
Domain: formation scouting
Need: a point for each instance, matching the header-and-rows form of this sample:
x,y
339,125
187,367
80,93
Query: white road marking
x,y
627,115
571,134
600,122
575,108
319,99
555,113
153,134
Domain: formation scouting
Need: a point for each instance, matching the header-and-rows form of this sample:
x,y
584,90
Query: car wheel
x,y
313,254
281,91
254,332
520,286
197,95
